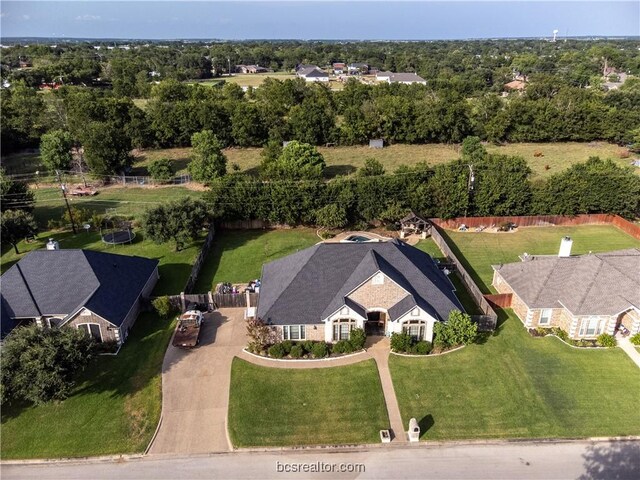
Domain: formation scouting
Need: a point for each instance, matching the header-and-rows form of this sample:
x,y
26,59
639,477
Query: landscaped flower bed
x,y
310,349
603,341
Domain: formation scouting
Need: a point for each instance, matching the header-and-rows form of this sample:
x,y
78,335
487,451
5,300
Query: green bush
x,y
342,346
635,339
163,306
560,333
606,340
307,345
542,331
296,351
357,338
276,350
401,342
286,346
320,350
422,348
161,170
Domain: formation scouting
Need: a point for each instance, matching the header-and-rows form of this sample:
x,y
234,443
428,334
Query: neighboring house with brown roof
x,y
585,295
323,292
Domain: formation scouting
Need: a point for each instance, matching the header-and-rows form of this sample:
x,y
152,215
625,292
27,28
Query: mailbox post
x,y
414,430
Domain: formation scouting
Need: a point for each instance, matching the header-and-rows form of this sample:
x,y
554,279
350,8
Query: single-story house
x,y
585,295
98,292
313,74
383,76
406,79
251,69
338,68
358,68
323,292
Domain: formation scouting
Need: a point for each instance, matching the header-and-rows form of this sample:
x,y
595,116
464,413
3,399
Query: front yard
x,y
516,386
114,409
286,407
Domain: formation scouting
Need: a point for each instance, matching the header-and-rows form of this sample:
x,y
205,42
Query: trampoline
x,y
118,237
116,231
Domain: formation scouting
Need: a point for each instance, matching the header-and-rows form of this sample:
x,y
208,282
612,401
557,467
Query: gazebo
x,y
413,223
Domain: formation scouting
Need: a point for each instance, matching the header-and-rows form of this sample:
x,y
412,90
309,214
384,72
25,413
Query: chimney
x,y
53,245
565,247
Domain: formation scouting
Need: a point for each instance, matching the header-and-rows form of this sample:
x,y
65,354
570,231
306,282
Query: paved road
x,y
579,460
195,388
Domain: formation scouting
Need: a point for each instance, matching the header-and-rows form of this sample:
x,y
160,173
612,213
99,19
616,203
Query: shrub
x,y
307,345
296,351
163,306
161,170
421,348
357,338
439,344
319,350
560,333
287,345
276,351
342,346
459,329
635,339
401,342
606,340
541,331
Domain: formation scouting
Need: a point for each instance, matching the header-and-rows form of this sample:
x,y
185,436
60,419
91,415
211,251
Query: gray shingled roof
x,y
405,77
310,285
594,284
59,282
312,72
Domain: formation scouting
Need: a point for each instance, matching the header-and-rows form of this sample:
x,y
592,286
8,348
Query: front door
x,y
375,323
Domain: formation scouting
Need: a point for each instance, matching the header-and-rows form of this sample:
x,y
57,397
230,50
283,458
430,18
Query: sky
x,y
320,20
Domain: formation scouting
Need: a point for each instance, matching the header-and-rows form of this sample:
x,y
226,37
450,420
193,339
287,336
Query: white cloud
x,y
87,18
26,17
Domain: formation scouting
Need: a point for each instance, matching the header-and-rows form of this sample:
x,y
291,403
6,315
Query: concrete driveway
x,y
195,388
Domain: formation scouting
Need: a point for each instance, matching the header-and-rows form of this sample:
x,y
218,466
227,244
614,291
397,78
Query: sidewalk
x,y
629,349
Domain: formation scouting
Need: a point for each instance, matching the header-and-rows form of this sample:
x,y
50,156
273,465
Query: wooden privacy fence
x,y
502,300
487,321
234,300
195,270
631,228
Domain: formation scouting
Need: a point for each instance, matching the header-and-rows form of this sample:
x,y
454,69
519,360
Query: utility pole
x,y
229,63
64,195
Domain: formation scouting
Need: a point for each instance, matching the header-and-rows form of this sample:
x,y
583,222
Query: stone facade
x,y
378,295
109,332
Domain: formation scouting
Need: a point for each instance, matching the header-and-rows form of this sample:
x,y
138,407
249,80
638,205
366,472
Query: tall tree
x,y
296,162
16,226
14,195
207,160
180,221
55,150
106,148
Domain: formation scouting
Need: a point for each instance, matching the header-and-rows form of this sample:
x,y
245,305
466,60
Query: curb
x,y
325,448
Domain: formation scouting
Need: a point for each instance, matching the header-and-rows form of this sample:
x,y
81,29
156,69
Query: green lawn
x,y
516,386
478,251
127,201
320,406
345,160
238,255
114,409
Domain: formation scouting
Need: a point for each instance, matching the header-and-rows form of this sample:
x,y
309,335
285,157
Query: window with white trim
x,y
293,332
342,328
545,316
415,328
590,327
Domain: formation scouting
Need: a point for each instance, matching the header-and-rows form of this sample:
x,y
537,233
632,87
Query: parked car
x,y
188,330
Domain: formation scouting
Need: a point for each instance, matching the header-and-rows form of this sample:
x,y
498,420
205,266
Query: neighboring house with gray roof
x,y
313,74
94,291
406,78
323,292
585,295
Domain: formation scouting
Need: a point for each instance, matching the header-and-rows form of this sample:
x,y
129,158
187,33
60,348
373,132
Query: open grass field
x,y
329,406
256,79
238,255
478,251
114,408
516,386
126,201
346,160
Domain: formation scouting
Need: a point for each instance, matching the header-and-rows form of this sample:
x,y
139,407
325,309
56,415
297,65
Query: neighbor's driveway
x,y
195,388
